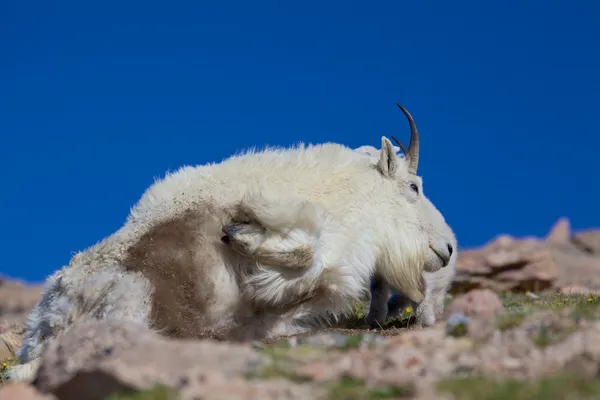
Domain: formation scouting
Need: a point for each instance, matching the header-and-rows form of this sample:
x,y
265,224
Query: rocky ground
x,y
522,322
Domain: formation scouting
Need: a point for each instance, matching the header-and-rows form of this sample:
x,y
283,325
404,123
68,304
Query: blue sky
x,y
98,98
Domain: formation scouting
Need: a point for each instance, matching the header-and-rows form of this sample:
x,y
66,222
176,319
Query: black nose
x,y
450,249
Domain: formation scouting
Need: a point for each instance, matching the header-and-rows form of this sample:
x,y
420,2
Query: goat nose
x,y
450,249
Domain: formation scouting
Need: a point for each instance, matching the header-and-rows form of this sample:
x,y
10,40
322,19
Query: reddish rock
x,y
477,302
94,359
9,344
531,264
588,241
560,231
16,301
21,391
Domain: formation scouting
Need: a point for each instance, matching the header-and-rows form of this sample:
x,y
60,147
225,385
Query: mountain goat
x,y
259,245
436,283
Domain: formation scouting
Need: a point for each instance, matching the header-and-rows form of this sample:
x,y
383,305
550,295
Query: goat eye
x,y
414,187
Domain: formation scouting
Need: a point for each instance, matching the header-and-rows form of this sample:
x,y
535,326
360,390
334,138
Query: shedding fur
x,y
262,244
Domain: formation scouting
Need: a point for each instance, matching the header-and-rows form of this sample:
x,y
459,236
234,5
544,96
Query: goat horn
x,y
413,146
399,143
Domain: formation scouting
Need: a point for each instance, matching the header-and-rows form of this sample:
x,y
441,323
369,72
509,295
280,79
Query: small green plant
x,y
457,325
458,330
358,311
6,365
517,301
403,320
352,342
548,334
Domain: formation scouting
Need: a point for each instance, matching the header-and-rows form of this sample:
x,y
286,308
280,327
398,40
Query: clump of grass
x,y
278,344
587,307
4,367
350,389
580,306
510,320
156,393
358,311
457,325
548,317
562,387
551,333
281,362
352,342
403,320
544,337
559,314
520,301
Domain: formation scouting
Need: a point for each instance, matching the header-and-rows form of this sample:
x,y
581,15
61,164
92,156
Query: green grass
x,y
566,311
564,387
281,361
359,311
403,320
581,306
549,334
510,320
352,342
518,307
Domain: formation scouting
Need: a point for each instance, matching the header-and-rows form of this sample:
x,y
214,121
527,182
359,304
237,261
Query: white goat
x,y
343,217
436,283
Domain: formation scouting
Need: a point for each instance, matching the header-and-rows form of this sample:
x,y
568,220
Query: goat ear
x,y
388,160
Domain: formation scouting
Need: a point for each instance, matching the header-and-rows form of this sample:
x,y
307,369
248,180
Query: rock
x,y
560,231
531,264
588,241
482,327
94,359
9,344
14,327
16,301
21,391
477,302
506,265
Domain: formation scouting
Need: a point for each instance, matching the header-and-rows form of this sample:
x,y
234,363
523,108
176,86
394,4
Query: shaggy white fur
x,y
183,262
